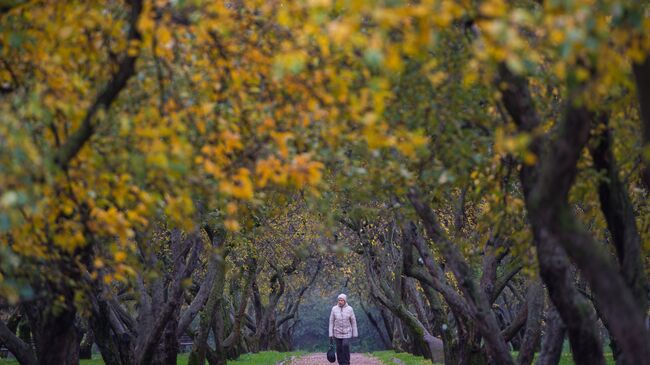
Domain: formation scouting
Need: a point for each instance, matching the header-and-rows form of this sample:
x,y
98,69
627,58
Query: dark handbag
x,y
331,353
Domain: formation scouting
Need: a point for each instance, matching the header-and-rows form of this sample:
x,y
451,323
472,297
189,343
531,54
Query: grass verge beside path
x,y
567,359
387,358
262,358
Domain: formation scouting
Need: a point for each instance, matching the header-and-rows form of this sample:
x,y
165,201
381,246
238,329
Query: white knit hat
x,y
343,296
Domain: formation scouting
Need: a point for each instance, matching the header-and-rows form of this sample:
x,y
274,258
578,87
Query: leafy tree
x,y
138,134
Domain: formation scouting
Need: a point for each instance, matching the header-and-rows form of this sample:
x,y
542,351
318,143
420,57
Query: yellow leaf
x,y
231,208
231,225
120,256
240,186
272,170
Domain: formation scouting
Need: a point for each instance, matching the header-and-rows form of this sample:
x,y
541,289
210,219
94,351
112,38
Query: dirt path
x,y
321,359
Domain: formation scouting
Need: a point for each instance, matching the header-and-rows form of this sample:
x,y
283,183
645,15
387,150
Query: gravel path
x,y
321,359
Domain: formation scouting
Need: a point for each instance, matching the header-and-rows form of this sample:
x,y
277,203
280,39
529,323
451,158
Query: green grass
x,y
566,359
262,358
97,360
387,358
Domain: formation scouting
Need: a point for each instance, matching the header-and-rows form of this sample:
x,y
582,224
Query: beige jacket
x,y
343,323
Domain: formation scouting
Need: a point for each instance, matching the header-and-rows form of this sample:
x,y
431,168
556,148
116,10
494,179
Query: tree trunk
x,y
553,338
621,223
56,340
451,349
423,339
474,297
576,312
212,308
556,229
535,304
168,347
468,350
642,79
376,326
55,334
21,349
113,338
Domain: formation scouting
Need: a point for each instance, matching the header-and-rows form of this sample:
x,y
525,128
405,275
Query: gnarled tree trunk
x,y
558,233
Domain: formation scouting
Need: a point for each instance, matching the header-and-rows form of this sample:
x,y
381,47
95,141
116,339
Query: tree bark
x,y
491,260
466,347
546,187
621,223
183,267
535,304
126,341
385,316
413,270
376,326
200,346
517,323
642,78
475,297
619,214
21,350
390,299
55,334
553,338
212,318
423,338
112,335
167,349
216,263
199,301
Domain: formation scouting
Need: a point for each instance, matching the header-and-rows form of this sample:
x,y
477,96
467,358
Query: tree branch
x,y
148,341
512,268
535,304
485,320
517,324
642,79
553,339
201,296
18,347
619,213
546,187
126,69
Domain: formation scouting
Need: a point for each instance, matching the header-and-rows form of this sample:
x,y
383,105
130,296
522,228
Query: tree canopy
x,y
476,171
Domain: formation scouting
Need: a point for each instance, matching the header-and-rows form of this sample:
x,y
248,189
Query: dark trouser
x,y
343,351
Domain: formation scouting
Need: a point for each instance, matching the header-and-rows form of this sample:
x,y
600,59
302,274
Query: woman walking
x,y
343,327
